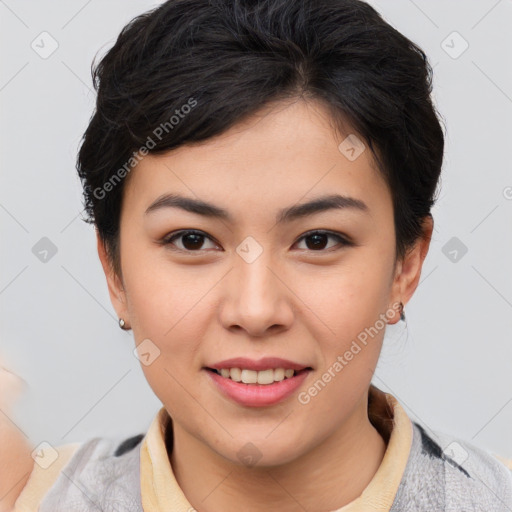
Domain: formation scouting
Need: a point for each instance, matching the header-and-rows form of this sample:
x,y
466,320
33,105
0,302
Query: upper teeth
x,y
254,377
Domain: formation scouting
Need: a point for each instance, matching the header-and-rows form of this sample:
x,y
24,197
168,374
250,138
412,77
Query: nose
x,y
257,298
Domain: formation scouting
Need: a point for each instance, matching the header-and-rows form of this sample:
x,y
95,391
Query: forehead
x,y
284,154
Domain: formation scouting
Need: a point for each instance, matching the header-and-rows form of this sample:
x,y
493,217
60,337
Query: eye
x,y
319,238
193,240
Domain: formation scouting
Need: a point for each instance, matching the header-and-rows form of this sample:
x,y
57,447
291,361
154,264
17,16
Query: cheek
x,y
162,295
351,304
353,296
167,305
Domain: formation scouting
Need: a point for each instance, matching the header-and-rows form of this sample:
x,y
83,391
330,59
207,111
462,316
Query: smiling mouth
x,y
265,377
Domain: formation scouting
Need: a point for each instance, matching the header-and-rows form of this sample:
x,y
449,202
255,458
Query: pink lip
x,y
257,395
265,363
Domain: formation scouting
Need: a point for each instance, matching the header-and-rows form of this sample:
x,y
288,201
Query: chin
x,y
260,454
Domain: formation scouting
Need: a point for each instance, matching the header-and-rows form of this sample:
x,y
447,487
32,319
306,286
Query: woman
x,y
261,177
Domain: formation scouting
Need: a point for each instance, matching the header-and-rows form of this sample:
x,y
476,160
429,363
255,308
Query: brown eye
x,y
192,241
317,240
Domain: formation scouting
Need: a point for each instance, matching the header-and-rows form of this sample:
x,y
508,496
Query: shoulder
x,y
100,473
445,472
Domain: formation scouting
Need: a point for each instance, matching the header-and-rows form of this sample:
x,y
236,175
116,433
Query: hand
x,y
16,462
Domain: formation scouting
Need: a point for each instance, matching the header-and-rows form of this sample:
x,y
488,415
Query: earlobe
x,y
114,283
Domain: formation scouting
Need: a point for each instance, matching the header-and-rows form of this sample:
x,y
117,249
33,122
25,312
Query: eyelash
x,y
169,239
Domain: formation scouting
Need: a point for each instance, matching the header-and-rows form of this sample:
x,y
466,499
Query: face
x,y
256,282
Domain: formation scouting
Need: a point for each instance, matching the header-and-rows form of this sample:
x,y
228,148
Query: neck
x,y
327,477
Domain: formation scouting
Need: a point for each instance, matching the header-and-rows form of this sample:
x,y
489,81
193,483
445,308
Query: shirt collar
x,y
160,491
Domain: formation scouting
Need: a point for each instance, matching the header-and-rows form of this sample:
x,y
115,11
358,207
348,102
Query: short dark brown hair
x,y
190,69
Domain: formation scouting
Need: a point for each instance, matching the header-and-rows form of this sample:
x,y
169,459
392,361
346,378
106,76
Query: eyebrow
x,y
317,205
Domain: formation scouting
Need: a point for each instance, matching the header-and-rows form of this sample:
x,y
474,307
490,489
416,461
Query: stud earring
x,y
402,314
122,324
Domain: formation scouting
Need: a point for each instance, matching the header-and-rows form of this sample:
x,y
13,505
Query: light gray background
x,y
451,367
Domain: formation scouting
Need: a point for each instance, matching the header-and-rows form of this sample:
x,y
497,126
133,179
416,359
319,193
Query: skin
x,y
16,464
294,301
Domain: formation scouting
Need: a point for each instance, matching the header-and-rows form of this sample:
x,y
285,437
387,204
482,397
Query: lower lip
x,y
258,395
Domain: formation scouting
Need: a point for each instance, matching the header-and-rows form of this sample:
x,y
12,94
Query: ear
x,y
114,282
408,271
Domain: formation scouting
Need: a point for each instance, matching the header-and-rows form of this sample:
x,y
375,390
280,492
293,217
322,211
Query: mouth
x,y
251,388
261,377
